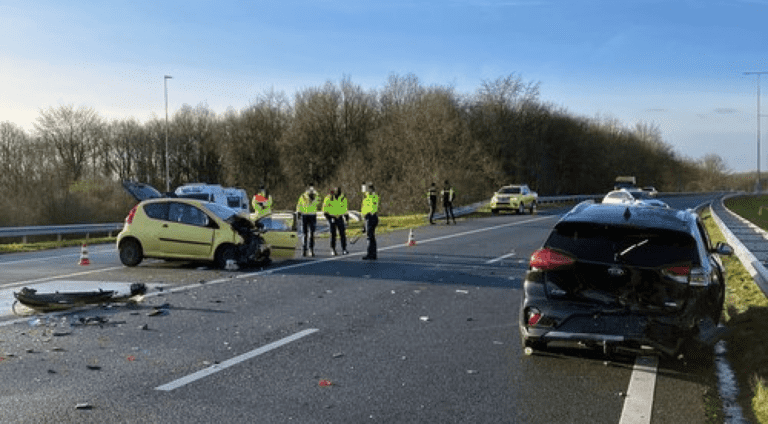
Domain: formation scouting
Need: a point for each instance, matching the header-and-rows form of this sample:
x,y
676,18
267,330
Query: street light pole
x,y
758,186
167,170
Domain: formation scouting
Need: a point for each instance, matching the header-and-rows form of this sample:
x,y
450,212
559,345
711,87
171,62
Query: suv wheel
x,y
533,208
130,252
225,254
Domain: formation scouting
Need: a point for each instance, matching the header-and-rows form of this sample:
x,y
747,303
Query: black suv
x,y
617,277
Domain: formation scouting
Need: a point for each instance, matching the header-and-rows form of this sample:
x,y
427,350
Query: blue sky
x,y
675,63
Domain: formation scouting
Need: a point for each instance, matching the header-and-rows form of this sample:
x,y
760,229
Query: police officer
x,y
335,210
448,194
306,209
369,210
432,197
262,203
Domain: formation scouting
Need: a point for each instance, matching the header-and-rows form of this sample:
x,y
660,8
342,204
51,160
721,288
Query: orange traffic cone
x,y
84,256
411,241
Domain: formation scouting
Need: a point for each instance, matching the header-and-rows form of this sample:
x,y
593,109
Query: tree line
x,y
401,137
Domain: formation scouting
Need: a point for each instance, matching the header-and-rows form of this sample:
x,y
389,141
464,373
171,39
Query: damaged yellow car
x,y
174,228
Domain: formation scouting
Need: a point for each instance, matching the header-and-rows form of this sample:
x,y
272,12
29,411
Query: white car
x,y
633,197
651,191
231,197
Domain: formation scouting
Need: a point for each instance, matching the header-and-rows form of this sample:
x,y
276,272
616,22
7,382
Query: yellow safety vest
x,y
335,207
370,204
307,206
262,208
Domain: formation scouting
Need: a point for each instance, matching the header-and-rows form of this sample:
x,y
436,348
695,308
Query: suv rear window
x,y
645,247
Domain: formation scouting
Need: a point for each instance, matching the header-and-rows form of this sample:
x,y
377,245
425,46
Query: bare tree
x,y
125,142
713,171
509,91
251,142
313,142
73,134
15,169
196,156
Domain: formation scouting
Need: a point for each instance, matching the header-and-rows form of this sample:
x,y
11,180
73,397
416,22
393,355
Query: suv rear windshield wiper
x,y
631,248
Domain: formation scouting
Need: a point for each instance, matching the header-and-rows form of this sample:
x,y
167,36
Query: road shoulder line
x,y
642,385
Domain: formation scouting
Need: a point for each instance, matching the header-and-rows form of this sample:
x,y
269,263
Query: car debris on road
x,y
56,301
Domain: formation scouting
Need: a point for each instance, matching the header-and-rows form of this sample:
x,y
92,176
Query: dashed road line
x,y
233,361
501,258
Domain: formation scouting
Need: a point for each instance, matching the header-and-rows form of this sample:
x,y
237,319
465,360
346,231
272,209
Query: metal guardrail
x,y
754,267
60,230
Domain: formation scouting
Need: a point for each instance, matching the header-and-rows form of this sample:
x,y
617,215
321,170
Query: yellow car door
x,y
279,235
187,233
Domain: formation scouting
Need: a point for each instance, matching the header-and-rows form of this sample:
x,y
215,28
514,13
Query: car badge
x,y
615,271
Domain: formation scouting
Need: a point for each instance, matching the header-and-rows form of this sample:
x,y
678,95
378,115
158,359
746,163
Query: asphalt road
x,y
425,334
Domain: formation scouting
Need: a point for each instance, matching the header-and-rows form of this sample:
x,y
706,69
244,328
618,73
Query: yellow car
x,y
190,229
516,197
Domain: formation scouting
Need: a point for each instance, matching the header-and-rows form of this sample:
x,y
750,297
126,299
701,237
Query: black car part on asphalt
x,y
64,300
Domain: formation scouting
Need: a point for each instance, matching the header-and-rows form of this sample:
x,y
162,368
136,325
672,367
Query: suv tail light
x,y
679,273
687,275
532,316
699,277
547,259
129,218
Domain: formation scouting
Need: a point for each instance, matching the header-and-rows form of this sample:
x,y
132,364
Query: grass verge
x,y
746,315
752,208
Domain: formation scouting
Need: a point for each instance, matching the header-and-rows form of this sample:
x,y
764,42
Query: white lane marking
x,y
639,402
396,246
501,257
233,361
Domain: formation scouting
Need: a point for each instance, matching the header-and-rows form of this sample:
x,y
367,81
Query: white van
x,y
235,198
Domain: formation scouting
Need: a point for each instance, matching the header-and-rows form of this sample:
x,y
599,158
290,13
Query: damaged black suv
x,y
637,278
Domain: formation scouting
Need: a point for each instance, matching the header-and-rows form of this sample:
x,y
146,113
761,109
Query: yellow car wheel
x,y
130,252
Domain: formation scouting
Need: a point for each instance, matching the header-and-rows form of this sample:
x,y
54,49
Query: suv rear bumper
x,y
627,330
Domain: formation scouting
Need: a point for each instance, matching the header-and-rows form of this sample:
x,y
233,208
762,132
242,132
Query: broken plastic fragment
x,y
325,383
231,265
